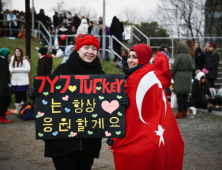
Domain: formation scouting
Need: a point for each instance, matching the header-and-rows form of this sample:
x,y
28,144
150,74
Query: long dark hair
x,y
20,60
190,45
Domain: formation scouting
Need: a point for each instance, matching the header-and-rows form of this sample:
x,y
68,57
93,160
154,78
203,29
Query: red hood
x,y
143,52
46,56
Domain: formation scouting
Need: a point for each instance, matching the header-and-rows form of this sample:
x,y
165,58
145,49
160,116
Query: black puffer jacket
x,y
199,90
5,89
211,63
59,147
199,59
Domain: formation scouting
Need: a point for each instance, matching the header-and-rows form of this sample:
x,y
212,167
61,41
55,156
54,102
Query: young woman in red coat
x,y
161,66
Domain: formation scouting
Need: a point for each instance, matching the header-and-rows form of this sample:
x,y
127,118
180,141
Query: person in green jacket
x,y
182,75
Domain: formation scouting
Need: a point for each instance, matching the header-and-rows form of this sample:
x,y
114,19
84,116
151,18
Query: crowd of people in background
x,y
62,23
190,59
190,62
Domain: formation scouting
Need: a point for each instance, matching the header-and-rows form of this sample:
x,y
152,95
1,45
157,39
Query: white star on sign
x,y
160,133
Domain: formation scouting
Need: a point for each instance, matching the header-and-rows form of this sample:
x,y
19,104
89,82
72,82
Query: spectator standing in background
x,y
161,66
63,17
83,28
13,23
62,30
90,27
19,68
95,28
21,25
117,30
55,20
12,17
41,17
100,19
60,20
191,52
5,85
211,64
199,56
182,76
45,62
206,48
77,21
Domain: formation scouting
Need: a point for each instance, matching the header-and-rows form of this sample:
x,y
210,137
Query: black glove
x,y
124,100
33,93
110,141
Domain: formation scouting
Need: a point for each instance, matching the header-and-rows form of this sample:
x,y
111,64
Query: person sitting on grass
x,y
200,96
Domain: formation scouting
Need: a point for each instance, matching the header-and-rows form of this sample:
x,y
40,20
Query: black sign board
x,y
80,106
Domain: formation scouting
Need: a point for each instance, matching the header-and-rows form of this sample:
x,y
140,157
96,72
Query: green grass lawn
x,y
11,44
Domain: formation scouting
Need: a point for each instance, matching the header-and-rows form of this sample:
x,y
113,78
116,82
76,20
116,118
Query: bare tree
x,y
7,4
87,12
59,7
183,17
213,20
131,15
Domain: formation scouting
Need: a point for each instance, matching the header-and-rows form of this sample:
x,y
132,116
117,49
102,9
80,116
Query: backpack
x,y
219,93
212,93
26,112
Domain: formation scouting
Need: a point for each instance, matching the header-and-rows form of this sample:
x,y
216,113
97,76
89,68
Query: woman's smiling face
x,y
132,60
87,53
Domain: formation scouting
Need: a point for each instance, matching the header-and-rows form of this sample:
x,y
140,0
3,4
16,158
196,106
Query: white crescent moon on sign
x,y
144,85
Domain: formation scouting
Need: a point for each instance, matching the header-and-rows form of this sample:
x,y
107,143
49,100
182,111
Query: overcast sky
x,y
113,7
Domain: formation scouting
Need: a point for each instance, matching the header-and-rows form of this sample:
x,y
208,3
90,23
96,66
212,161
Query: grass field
x,y
11,44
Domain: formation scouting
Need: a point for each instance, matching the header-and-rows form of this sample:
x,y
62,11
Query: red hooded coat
x,y
153,140
162,71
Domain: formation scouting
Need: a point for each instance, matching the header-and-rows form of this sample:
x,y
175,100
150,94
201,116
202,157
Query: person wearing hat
x,y
211,64
152,137
45,62
19,68
201,96
78,154
5,85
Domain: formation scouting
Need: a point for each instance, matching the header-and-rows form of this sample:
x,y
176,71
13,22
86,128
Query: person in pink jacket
x,y
161,66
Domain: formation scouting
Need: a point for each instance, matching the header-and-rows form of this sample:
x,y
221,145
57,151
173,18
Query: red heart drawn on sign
x,y
110,107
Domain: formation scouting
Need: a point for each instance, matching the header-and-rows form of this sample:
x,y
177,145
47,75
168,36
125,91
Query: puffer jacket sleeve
x,y
165,67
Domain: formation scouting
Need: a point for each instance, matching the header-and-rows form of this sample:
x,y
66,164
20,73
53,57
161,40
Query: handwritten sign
x,y
79,106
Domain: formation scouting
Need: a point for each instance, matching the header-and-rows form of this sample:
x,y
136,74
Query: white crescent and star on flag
x,y
144,85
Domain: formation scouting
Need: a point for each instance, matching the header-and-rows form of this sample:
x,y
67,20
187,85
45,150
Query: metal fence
x,y
155,42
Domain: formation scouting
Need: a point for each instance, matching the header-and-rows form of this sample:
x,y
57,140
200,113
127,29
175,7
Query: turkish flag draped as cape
x,y
153,140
